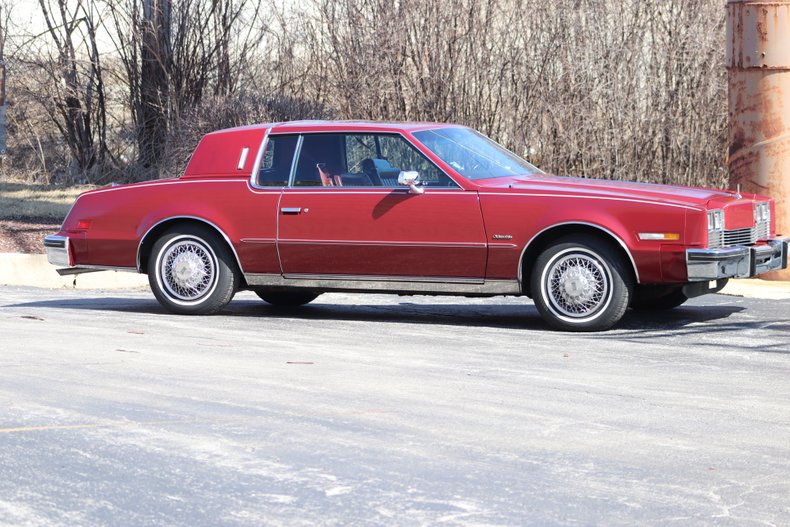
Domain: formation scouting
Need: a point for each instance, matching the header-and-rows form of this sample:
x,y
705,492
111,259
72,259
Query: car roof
x,y
346,126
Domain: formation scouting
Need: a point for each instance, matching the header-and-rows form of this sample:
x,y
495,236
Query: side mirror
x,y
410,178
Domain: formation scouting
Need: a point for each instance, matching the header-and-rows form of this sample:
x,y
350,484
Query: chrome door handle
x,y
291,210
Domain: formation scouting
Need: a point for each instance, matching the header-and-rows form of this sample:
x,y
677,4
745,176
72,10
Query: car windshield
x,y
473,155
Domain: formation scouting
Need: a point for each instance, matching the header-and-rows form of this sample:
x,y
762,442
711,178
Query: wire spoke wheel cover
x,y
187,270
581,283
577,284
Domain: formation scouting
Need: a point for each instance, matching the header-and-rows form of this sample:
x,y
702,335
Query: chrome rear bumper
x,y
737,262
58,250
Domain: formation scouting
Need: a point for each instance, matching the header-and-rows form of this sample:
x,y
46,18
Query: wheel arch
x,y
153,233
550,234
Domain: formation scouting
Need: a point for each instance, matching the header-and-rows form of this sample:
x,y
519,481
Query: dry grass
x,y
34,201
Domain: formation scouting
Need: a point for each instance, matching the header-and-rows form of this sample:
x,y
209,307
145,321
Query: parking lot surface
x,y
386,410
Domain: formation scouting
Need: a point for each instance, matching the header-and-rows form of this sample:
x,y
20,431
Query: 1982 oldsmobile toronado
x,y
292,210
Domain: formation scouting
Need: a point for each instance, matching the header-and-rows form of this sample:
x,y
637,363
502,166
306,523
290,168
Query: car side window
x,y
362,160
277,159
400,153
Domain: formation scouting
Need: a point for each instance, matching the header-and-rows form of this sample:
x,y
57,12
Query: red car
x,y
292,210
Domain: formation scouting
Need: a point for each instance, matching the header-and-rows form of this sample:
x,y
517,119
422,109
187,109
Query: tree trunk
x,y
154,74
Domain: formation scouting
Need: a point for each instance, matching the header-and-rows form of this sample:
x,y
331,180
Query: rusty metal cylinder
x,y
758,64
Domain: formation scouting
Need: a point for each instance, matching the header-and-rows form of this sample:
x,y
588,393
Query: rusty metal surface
x,y
758,62
758,36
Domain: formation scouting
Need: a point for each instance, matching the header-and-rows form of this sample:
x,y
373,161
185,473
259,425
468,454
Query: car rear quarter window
x,y
277,159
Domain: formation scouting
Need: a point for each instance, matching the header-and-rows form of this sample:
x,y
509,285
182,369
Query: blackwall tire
x,y
581,283
287,298
192,271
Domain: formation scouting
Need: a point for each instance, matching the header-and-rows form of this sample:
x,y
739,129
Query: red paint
x,y
385,231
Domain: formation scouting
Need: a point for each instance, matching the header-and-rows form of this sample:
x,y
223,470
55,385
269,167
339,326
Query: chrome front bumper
x,y
58,250
737,262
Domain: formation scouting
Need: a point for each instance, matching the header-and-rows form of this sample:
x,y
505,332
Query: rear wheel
x,y
286,298
581,283
191,271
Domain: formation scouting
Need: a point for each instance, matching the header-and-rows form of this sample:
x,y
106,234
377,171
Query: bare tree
x,y
75,94
155,66
628,89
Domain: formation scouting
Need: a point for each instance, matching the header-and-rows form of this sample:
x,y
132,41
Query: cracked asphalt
x,y
386,410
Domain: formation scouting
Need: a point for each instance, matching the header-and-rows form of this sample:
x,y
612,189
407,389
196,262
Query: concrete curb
x,y
33,270
756,288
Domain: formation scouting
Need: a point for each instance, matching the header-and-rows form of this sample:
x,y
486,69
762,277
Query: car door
x,y
345,216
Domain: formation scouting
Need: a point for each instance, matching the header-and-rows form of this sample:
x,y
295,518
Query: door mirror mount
x,y
411,178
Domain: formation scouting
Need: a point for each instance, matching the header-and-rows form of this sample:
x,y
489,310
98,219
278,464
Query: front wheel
x,y
192,272
581,283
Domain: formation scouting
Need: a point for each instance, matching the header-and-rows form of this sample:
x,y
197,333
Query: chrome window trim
x,y
373,190
539,172
203,220
297,153
603,229
458,186
258,158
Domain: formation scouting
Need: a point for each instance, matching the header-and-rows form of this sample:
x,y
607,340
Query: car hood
x,y
669,194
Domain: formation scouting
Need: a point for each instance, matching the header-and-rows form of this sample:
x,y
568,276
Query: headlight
x,y
715,220
762,212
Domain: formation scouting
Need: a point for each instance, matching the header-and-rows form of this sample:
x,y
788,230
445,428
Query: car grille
x,y
747,236
763,230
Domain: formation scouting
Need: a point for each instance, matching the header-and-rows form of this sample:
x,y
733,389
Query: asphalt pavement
x,y
385,410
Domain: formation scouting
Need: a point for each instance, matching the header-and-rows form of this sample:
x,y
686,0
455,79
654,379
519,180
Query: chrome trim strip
x,y
297,153
583,196
81,269
55,241
371,190
380,284
502,246
58,250
258,158
258,240
243,157
225,236
382,278
176,181
375,243
607,231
